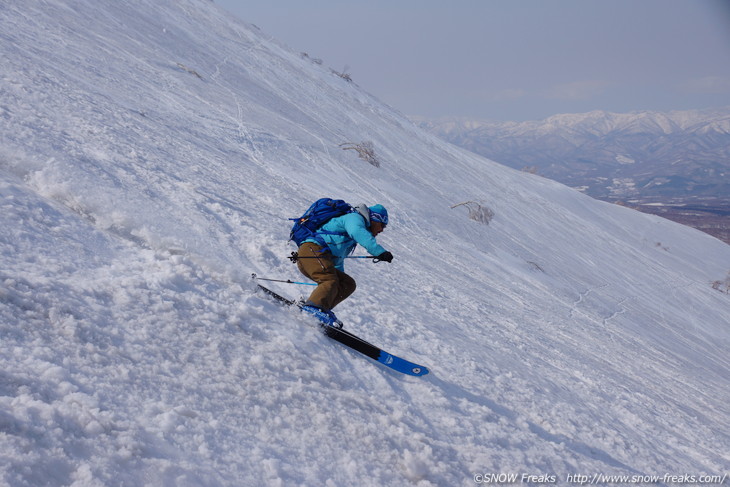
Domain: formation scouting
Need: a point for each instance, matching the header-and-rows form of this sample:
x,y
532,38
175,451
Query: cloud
x,y
709,85
577,90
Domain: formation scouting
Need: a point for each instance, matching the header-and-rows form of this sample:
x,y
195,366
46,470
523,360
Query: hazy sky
x,y
513,59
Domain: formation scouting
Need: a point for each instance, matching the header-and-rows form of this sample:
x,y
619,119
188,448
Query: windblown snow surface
x,y
151,152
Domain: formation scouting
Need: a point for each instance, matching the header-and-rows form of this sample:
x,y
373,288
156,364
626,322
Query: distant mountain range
x,y
656,161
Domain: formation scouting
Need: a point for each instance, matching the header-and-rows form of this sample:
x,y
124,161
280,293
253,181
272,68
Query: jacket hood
x,y
363,209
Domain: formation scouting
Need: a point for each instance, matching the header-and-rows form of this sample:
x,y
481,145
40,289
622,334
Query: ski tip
x,y
401,365
418,371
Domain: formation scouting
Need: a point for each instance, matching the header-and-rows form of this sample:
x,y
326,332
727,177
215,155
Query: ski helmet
x,y
378,213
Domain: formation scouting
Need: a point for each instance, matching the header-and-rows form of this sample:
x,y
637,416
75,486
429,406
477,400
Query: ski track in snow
x,y
150,157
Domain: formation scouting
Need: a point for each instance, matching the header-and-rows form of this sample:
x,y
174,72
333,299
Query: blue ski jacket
x,y
343,233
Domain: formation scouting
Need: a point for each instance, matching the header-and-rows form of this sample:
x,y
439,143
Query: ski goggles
x,y
377,217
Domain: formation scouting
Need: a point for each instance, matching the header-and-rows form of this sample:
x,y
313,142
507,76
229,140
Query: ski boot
x,y
326,317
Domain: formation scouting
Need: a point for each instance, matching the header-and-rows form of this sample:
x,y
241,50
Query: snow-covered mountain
x,y
151,152
674,164
678,155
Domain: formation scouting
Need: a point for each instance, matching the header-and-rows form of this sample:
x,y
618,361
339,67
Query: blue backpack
x,y
321,211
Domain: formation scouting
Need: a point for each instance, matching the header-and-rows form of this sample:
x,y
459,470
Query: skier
x,y
322,256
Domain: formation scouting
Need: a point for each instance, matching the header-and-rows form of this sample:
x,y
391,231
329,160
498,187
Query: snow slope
x,y
150,154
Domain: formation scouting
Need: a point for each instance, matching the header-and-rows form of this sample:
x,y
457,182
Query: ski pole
x,y
295,256
318,259
288,281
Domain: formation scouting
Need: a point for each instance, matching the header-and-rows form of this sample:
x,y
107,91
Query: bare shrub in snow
x,y
365,151
722,286
314,60
189,70
477,211
344,74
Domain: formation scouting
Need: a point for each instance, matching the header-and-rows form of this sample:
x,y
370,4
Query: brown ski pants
x,y
333,285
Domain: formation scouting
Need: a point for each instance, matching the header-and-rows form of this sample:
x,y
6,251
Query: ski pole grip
x,y
385,256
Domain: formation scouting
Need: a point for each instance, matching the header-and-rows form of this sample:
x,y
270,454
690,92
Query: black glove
x,y
386,256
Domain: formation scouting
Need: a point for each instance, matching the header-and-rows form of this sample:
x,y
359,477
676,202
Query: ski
x,y
358,344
